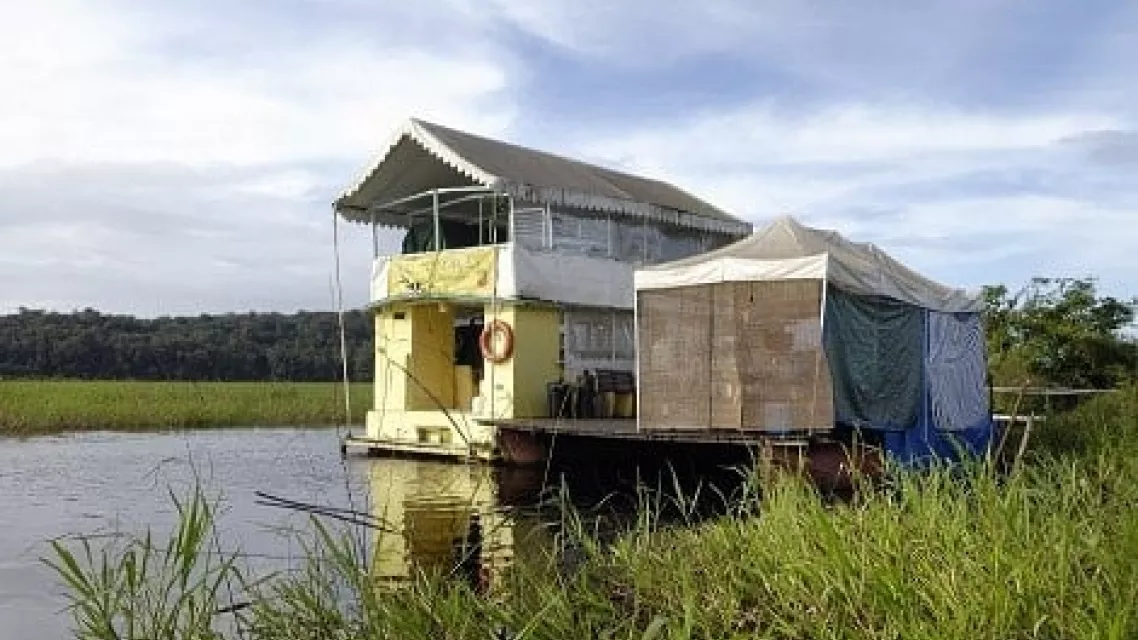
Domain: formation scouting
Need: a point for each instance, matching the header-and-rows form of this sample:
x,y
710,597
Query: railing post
x,y
512,231
435,211
374,238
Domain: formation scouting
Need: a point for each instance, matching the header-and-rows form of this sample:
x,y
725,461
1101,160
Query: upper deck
x,y
487,219
507,271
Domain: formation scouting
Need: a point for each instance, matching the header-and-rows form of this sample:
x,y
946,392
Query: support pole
x,y
513,235
494,221
549,228
374,238
338,295
438,227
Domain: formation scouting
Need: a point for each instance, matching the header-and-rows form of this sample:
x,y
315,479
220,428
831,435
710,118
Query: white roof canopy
x,y
424,156
786,250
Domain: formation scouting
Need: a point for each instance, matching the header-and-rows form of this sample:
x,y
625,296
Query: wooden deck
x,y
515,444
626,429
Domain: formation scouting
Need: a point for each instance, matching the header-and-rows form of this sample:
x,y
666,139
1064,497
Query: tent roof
x,y
424,156
787,249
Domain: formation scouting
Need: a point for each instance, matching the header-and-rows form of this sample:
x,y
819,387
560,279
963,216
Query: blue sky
x,y
180,157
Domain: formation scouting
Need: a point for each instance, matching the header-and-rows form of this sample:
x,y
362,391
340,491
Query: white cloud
x,y
170,241
640,33
757,159
98,86
971,196
161,157
169,158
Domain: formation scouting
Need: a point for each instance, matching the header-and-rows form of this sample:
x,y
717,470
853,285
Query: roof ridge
x,y
551,154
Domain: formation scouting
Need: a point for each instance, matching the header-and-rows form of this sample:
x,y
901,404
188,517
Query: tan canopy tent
x,y
796,329
789,250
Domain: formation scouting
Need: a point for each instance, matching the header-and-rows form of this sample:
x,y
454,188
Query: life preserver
x,y
486,341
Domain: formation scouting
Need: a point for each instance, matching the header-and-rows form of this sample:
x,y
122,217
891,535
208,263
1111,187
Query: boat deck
x,y
611,429
626,429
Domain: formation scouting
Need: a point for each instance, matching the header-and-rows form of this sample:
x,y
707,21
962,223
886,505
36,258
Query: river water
x,y
102,485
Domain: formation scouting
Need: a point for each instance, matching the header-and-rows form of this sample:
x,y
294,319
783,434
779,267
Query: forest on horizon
x,y
87,344
1049,332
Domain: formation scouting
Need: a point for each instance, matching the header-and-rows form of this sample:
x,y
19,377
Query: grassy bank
x,y
41,406
1049,552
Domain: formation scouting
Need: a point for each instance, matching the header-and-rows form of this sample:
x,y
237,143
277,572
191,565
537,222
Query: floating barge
x,y
538,297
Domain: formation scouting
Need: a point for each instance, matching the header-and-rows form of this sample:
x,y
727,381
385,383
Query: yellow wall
x,y
392,348
432,341
427,506
519,384
420,343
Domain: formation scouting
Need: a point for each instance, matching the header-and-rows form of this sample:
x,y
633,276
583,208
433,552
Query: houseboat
x,y
512,297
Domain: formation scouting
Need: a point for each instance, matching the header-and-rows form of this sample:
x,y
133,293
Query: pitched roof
x,y
788,249
424,156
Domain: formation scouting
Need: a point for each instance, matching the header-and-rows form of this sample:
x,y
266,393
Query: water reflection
x,y
450,519
474,521
107,484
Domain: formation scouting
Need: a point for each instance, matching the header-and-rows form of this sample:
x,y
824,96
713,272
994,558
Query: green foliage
x,y
148,590
35,406
1106,425
254,346
1059,332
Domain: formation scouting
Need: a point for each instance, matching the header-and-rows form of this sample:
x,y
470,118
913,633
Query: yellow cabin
x,y
516,273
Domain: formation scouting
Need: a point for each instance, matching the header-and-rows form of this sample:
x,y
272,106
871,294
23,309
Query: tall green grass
x,y
145,588
1050,551
38,406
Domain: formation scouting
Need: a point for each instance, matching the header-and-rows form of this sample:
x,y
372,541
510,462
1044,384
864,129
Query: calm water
x,y
104,484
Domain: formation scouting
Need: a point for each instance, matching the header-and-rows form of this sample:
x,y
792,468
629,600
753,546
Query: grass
x,y
1050,551
43,406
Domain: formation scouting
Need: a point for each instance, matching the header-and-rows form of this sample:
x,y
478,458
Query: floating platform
x,y
524,440
626,429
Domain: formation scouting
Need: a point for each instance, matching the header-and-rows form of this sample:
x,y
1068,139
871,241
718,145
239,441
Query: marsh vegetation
x,y
1047,551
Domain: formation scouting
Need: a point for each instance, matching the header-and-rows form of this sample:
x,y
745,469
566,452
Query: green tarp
x,y
874,346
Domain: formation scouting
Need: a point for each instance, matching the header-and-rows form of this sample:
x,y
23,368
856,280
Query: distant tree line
x,y
302,346
1051,332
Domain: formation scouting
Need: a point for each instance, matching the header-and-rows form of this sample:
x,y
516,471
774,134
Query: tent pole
x,y
821,346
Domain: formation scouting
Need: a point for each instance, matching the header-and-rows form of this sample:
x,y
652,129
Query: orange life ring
x,y
486,341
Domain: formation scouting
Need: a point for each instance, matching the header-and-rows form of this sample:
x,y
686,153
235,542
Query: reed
x,y
41,406
1046,552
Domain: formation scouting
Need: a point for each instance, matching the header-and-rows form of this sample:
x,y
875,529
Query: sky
x,y
175,157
